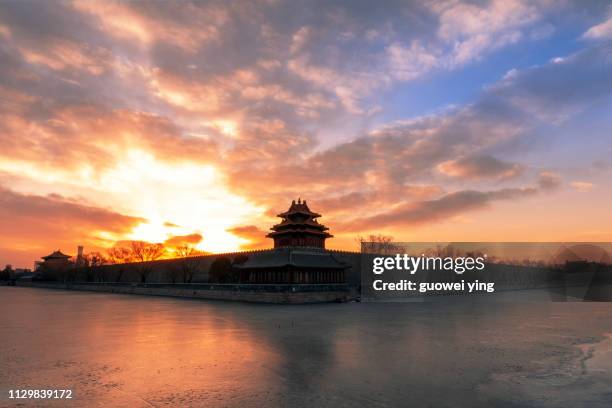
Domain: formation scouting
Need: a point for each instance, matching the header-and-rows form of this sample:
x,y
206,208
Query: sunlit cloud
x,y
582,186
198,122
477,167
185,194
602,30
146,23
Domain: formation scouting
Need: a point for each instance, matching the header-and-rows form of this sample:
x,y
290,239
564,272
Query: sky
x,y
198,122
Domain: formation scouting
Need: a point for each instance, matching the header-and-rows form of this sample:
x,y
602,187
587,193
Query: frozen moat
x,y
138,351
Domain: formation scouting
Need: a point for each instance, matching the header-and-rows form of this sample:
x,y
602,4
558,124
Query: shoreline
x,y
272,294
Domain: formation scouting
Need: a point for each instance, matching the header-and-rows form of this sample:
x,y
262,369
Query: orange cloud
x,y
95,137
478,167
65,54
206,119
256,237
582,186
33,224
179,240
429,211
192,25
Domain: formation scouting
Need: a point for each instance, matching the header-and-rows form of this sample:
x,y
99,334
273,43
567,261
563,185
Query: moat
x,y
139,351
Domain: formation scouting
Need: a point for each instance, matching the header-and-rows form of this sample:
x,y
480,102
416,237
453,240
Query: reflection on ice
x,y
147,351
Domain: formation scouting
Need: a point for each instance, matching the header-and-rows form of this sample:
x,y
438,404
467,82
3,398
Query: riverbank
x,y
277,294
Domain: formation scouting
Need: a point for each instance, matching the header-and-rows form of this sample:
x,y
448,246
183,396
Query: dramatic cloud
x,y
354,178
557,90
173,121
179,240
37,223
477,167
466,32
473,29
186,25
446,206
254,236
601,31
415,150
97,138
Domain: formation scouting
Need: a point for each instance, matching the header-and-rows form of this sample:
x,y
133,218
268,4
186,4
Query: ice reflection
x,y
132,351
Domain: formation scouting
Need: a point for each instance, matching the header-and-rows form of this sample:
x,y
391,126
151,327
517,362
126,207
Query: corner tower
x,y
299,228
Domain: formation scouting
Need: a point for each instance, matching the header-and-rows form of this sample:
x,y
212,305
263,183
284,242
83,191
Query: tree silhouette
x,y
92,262
188,264
143,253
378,244
118,256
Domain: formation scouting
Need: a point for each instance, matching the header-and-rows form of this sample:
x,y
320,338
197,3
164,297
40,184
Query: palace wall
x,y
506,277
170,270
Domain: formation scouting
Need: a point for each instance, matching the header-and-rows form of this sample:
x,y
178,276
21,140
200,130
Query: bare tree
x,y
92,263
118,256
143,253
188,264
184,251
378,244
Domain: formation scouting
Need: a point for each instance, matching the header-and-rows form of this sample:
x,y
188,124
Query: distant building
x,y
55,261
80,258
299,228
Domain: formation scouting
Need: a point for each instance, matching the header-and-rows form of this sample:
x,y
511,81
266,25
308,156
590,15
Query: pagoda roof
x,y
56,255
299,207
307,223
299,231
299,258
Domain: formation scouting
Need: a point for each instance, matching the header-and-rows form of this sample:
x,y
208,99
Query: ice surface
x,y
139,351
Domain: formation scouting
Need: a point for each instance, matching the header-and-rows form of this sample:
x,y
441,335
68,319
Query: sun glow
x,y
174,198
215,239
178,199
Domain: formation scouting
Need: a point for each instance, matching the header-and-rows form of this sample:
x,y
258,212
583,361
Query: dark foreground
x,y
132,351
